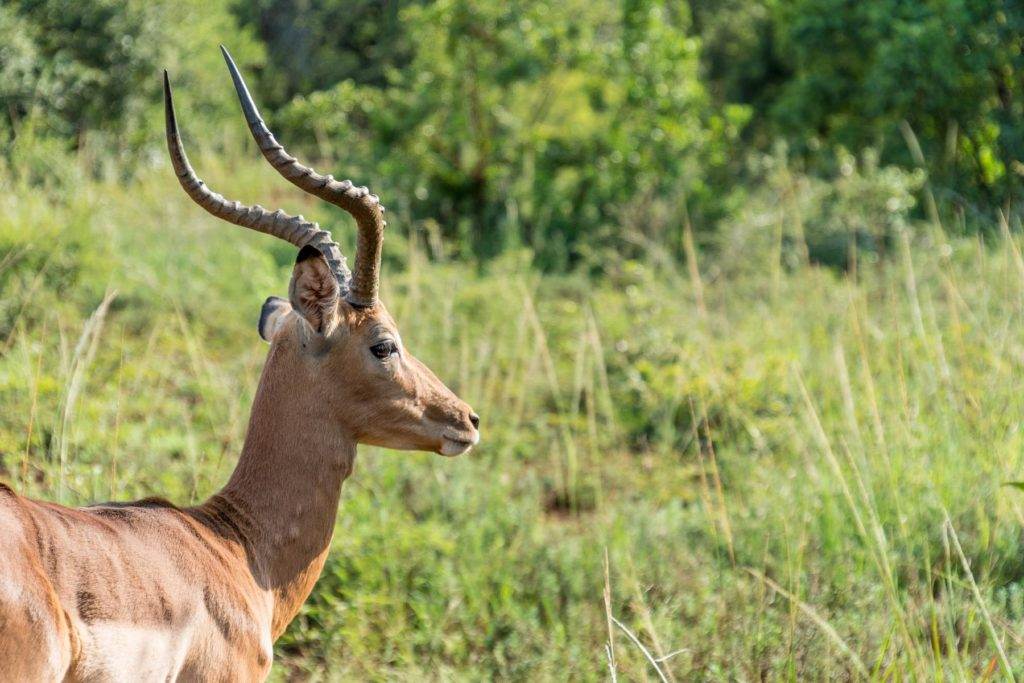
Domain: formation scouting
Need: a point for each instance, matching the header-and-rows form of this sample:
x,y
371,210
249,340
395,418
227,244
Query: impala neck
x,y
283,495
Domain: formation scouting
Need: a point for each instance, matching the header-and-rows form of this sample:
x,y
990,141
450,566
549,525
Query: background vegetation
x,y
736,287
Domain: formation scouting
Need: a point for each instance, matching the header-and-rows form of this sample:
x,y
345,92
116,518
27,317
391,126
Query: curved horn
x,y
357,201
294,229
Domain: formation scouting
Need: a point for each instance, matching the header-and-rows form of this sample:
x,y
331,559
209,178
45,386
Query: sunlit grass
x,y
791,473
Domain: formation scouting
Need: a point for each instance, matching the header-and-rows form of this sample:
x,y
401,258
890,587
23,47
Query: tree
x,y
74,71
947,67
527,122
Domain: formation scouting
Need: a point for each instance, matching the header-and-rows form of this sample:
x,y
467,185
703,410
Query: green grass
x,y
782,478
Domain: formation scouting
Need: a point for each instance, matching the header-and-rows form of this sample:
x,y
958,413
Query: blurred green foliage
x,y
775,456
950,68
84,77
564,127
525,122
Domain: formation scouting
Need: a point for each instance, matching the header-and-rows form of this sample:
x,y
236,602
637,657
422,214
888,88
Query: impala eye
x,y
384,349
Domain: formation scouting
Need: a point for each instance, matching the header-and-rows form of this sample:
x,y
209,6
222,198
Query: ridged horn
x,y
293,229
357,201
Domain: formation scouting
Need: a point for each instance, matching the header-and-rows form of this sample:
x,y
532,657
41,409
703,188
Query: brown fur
x,y
150,591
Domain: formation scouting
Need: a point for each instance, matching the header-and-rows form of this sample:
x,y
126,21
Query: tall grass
x,y
793,472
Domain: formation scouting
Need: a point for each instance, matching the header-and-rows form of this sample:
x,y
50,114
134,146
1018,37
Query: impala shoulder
x,y
125,509
11,503
7,492
139,513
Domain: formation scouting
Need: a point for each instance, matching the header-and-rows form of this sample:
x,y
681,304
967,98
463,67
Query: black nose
x,y
475,419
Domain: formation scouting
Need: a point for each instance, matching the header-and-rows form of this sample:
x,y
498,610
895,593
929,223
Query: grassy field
x,y
791,472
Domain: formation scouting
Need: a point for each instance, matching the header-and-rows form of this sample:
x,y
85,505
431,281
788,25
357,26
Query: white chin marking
x,y
449,447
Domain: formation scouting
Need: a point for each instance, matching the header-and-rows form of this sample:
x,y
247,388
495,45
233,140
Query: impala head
x,y
332,336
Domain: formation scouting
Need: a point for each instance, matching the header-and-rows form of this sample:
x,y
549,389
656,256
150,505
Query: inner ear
x,y
314,290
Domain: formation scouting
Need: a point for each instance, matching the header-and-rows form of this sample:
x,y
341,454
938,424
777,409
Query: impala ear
x,y
314,290
275,309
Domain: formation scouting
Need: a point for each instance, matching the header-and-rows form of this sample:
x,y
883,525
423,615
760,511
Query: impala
x,y
150,591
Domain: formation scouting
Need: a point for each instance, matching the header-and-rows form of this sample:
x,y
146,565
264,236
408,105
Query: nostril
x,y
475,419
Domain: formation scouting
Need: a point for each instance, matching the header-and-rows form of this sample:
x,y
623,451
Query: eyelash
x,y
384,350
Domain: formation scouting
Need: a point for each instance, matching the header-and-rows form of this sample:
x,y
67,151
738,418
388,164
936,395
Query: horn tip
x,y
170,122
252,114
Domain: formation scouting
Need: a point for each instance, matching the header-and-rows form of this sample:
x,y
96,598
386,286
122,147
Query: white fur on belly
x,y
113,651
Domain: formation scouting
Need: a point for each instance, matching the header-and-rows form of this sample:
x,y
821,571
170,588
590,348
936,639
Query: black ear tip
x,y
272,304
308,252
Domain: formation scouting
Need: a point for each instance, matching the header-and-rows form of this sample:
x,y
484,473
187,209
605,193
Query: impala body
x,y
147,591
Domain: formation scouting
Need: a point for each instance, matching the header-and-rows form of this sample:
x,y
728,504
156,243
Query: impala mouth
x,y
457,444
